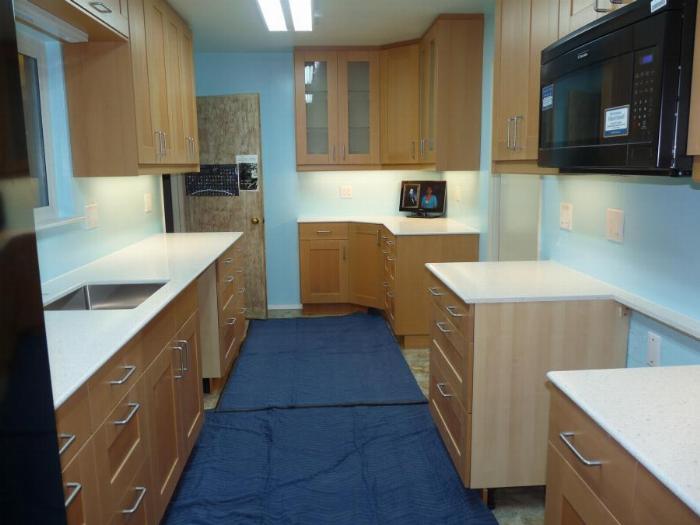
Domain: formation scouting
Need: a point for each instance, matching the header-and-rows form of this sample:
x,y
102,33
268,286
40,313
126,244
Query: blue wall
x,y
658,259
289,195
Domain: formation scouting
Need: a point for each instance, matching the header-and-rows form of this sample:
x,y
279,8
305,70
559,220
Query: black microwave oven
x,y
615,94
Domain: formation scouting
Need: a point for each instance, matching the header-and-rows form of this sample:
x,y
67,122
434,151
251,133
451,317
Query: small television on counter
x,y
423,198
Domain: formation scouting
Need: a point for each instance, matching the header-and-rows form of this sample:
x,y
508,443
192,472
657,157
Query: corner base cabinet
x,y
487,376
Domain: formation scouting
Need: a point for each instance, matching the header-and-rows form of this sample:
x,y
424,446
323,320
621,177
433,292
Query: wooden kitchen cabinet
x,y
106,20
337,107
400,104
189,389
365,265
574,14
81,490
523,29
324,271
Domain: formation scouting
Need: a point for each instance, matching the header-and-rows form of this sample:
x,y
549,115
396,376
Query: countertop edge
x,y
467,230
553,377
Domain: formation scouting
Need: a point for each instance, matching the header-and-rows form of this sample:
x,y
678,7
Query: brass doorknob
x,y
255,220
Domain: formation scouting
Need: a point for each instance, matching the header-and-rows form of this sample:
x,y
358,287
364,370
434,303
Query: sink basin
x,y
105,297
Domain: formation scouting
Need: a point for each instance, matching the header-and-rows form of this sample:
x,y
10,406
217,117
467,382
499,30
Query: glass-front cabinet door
x,y
428,67
316,80
358,107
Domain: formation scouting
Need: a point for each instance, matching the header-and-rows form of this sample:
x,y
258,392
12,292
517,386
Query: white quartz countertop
x,y
655,417
80,342
525,281
401,225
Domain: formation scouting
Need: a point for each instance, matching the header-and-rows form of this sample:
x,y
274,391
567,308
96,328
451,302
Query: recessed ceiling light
x,y
302,14
273,15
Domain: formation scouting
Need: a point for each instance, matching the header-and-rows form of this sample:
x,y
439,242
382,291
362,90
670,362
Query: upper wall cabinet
x,y
574,14
337,108
419,103
104,20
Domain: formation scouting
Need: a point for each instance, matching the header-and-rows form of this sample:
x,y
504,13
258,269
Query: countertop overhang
x,y
401,225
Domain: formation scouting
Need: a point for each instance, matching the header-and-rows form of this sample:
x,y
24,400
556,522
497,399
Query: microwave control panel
x,y
644,93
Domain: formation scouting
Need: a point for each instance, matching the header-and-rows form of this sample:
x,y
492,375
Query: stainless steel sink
x,y
105,297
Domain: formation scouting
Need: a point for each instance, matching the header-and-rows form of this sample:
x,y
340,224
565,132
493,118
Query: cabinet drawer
x,y
134,508
227,264
185,304
453,422
121,449
156,335
80,488
460,314
612,479
455,361
114,379
323,230
73,425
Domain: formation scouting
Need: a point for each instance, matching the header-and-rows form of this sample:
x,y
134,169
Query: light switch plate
x,y
566,216
653,349
615,225
346,192
92,217
148,202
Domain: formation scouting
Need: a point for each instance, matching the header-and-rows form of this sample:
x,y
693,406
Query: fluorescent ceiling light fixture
x,y
273,14
308,74
302,14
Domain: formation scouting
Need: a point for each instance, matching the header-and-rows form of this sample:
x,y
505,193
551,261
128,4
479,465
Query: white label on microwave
x,y
547,97
655,5
617,121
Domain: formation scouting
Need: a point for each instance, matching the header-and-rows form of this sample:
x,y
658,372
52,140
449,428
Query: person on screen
x,y
412,199
429,201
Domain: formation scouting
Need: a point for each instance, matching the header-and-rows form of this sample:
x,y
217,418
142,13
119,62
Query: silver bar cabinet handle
x,y
442,328
77,487
565,437
436,292
452,310
130,369
69,438
441,389
229,279
231,321
508,122
134,408
137,503
184,344
228,260
323,232
100,7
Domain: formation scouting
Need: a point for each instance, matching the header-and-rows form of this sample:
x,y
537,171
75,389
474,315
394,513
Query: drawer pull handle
x,y
241,290
129,372
435,292
323,232
441,327
228,261
134,408
385,284
137,503
229,279
441,389
239,271
244,310
452,310
391,259
390,243
231,321
100,7
565,437
69,438
385,252
184,344
390,295
77,487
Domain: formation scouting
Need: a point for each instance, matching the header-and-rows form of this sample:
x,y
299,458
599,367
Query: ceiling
x,y
237,25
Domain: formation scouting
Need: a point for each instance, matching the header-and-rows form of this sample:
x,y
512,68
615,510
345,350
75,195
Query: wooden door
x,y
358,107
400,104
189,386
228,126
428,73
176,147
511,65
316,105
366,265
164,427
569,500
324,271
148,147
80,488
156,20
189,100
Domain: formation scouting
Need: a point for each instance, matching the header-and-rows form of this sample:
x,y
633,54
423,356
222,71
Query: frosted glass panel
x,y
358,108
316,100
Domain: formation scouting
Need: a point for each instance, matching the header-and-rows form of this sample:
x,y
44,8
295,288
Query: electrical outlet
x,y
346,192
566,216
653,349
615,225
148,202
92,217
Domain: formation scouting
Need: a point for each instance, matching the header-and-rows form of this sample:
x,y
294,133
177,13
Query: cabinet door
x,y
366,268
80,488
400,108
512,65
316,82
428,74
189,385
164,427
569,500
176,149
324,271
156,24
189,100
358,107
